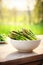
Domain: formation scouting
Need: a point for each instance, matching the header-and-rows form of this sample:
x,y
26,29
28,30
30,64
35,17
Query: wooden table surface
x,y
10,54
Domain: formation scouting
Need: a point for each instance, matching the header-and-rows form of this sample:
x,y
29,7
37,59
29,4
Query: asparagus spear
x,y
33,34
25,35
21,36
17,36
30,34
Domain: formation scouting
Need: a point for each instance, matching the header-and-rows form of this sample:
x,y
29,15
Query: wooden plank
x,y
26,63
24,60
34,63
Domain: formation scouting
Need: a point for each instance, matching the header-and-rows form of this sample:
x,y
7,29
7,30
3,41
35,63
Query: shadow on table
x,y
18,55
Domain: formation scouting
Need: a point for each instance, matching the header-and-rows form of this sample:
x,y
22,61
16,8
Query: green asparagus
x,y
22,35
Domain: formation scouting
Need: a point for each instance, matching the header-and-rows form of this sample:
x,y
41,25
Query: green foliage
x,y
14,20
37,12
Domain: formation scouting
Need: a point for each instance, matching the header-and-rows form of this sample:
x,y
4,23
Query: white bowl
x,y
24,45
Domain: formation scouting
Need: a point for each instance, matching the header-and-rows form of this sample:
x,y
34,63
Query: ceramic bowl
x,y
24,45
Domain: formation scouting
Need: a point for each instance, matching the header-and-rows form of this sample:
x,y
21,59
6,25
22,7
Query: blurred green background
x,y
16,20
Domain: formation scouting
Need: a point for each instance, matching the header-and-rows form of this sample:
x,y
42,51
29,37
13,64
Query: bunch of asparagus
x,y
2,37
22,35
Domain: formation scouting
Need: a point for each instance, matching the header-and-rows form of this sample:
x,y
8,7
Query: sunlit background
x,y
18,14
21,5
